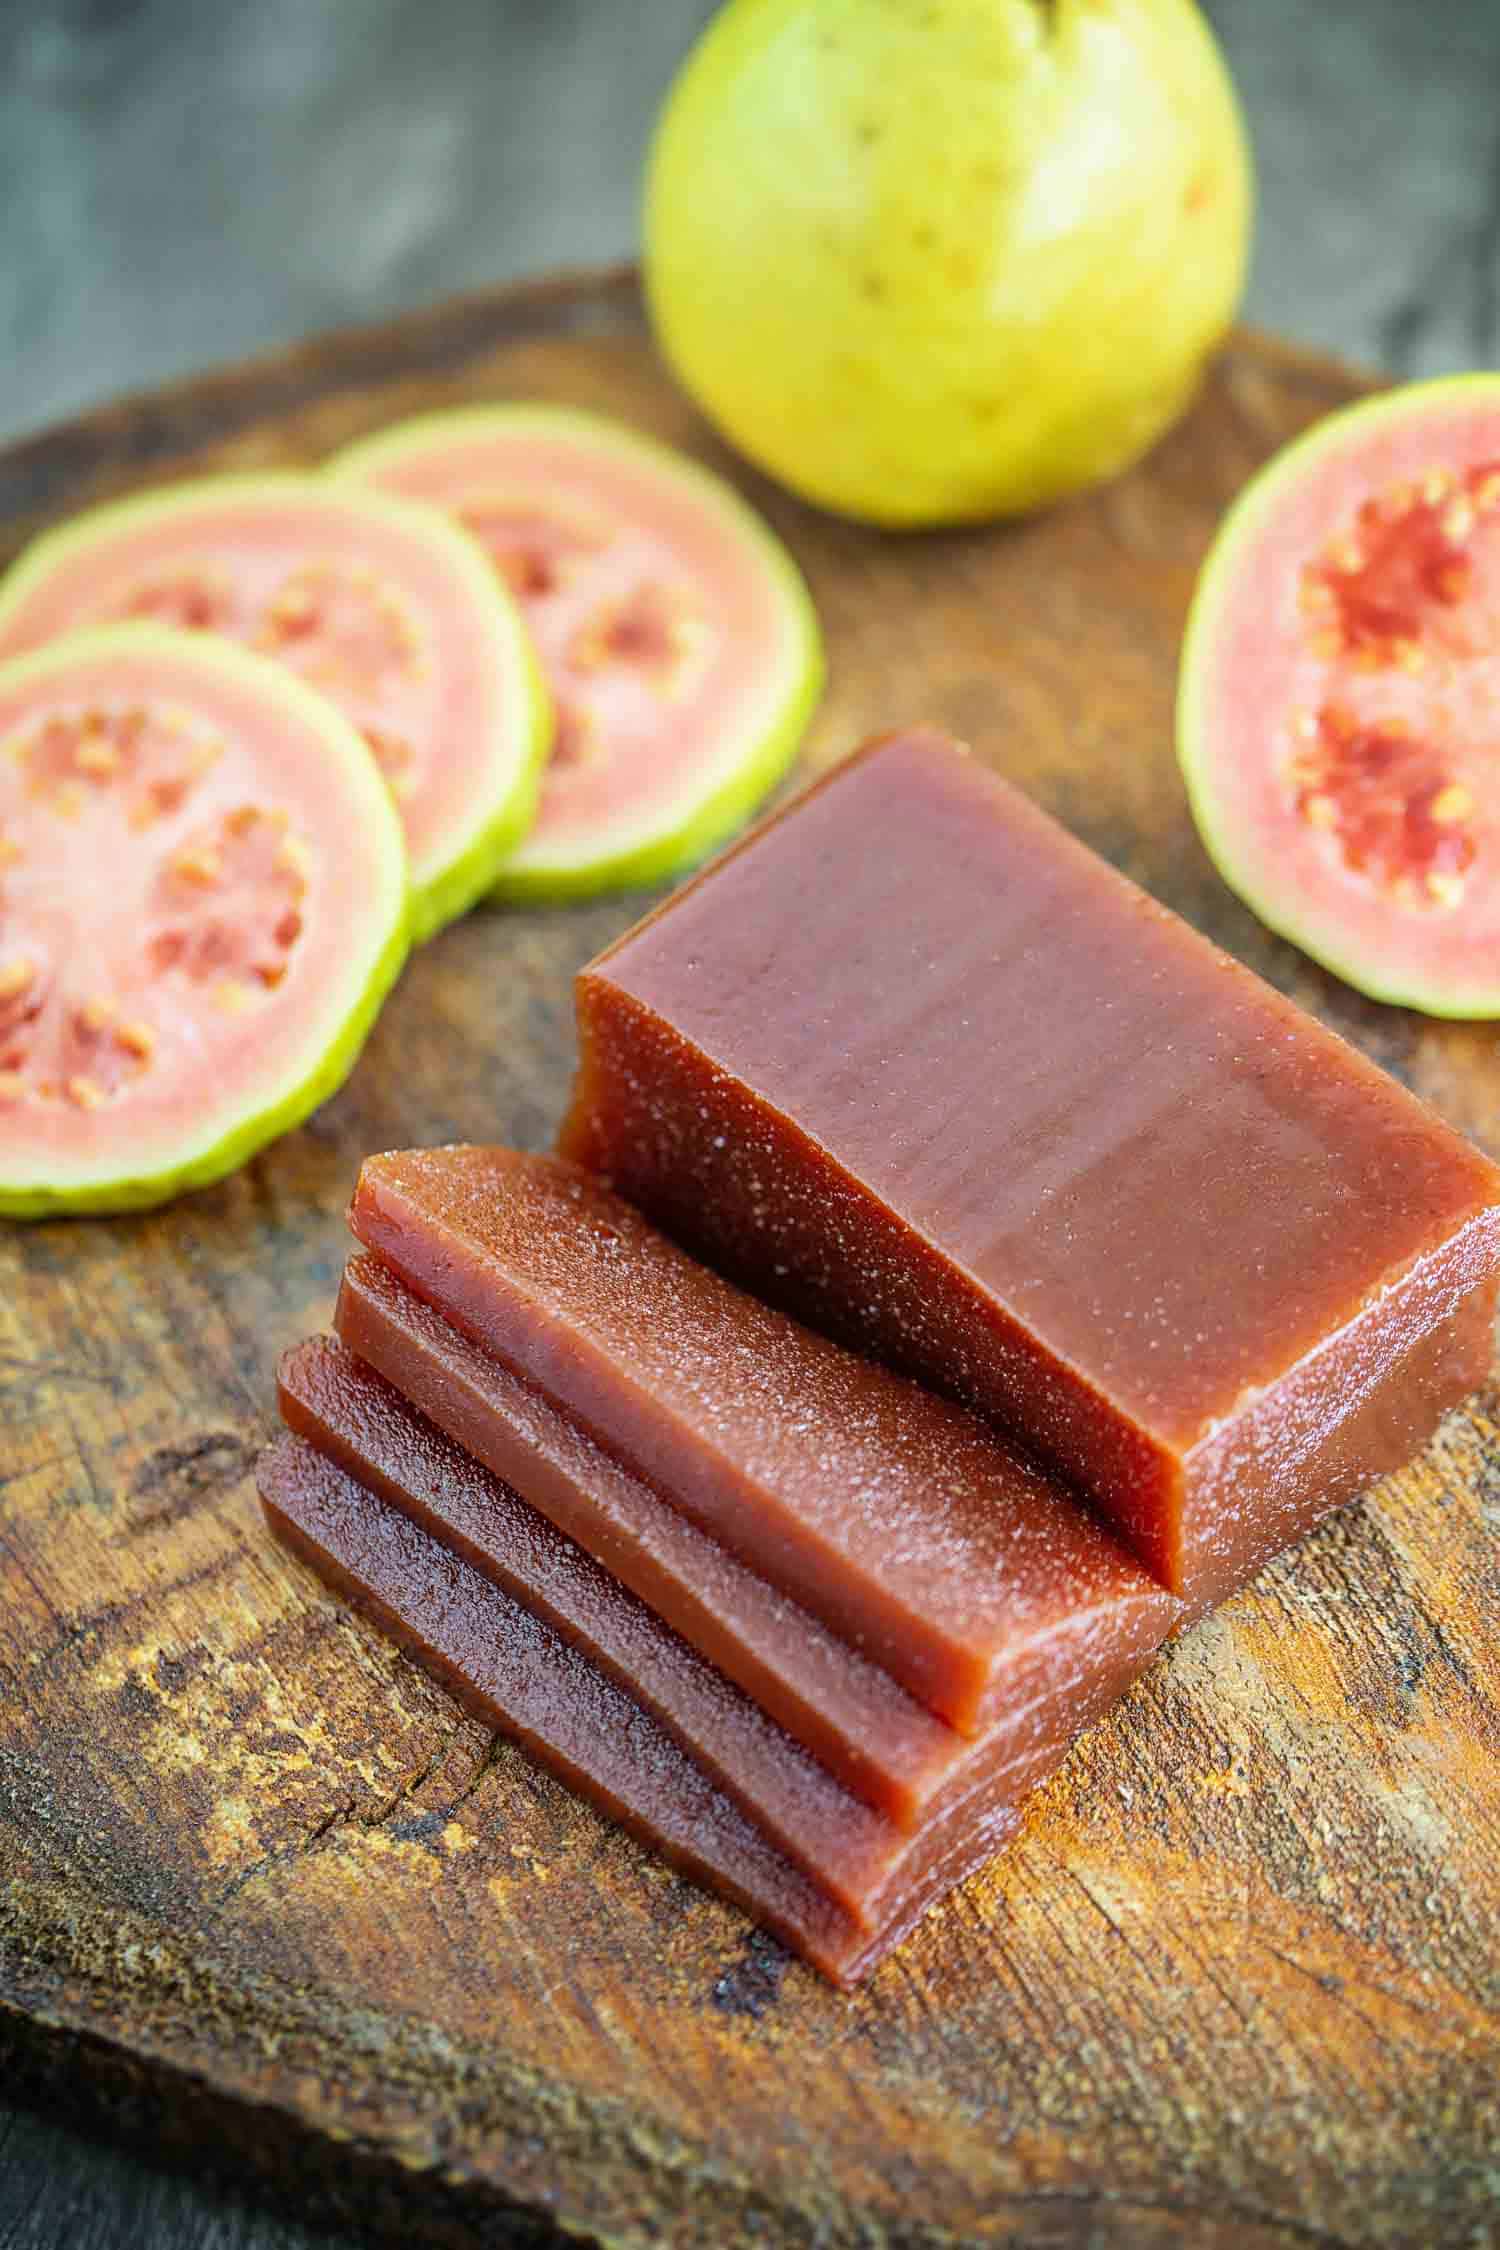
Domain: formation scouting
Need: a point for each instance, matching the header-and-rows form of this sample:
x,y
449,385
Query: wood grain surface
x,y
1236,1983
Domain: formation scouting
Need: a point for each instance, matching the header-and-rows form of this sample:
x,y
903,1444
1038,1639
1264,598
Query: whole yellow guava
x,y
933,260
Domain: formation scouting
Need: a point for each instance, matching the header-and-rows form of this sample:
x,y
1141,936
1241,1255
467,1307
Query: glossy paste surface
x,y
514,1673
911,1530
886,1750
356,1419
883,1744
915,1063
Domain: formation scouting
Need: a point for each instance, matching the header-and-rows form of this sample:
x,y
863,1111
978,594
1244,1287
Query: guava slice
x,y
677,635
203,902
1339,705
382,606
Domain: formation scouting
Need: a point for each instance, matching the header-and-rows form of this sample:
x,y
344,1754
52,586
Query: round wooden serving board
x,y
262,1887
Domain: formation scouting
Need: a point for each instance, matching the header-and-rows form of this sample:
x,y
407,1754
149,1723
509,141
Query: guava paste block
x,y
355,1418
899,1520
884,1745
907,1770
514,1673
913,1062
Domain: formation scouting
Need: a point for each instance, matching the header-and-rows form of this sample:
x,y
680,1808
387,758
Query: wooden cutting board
x,y
262,1886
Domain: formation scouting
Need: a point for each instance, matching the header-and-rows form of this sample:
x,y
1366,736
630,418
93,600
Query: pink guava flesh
x,y
181,887
1342,697
371,614
662,633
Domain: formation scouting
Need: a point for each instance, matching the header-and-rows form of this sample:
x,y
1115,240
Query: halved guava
x,y
382,606
1339,706
676,632
203,902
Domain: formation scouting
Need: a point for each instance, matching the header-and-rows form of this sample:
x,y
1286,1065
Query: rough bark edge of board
x,y
139,428
291,2170
408,2137
285,2165
376,2166
133,432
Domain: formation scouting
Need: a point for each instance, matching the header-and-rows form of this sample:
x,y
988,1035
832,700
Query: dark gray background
x,y
189,180
183,181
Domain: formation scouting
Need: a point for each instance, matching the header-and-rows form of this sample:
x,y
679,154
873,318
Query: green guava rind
x,y
233,1147
679,842
458,881
1218,585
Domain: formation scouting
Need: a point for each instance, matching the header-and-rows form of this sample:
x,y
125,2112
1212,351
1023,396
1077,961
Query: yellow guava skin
x,y
932,261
